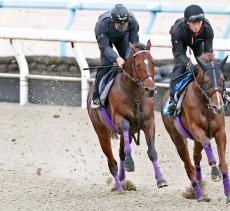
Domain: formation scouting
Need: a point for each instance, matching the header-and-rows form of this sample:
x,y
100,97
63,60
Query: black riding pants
x,y
177,71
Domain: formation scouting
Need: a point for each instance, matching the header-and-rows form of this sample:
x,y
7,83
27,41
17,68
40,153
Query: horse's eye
x,y
138,65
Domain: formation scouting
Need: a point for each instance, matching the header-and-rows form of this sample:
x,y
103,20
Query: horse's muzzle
x,y
217,108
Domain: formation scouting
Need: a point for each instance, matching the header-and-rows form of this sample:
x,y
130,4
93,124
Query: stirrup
x,y
95,103
171,108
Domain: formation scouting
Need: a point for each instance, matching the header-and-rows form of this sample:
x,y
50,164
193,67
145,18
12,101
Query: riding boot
x,y
96,96
95,103
171,105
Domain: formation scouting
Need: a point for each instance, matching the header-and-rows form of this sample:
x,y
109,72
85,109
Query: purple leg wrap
x,y
198,173
107,117
226,183
197,190
122,171
127,145
209,153
158,174
118,184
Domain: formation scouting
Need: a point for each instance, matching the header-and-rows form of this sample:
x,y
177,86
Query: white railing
x,y
75,37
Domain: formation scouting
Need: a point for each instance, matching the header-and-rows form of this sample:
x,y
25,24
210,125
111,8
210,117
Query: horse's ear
x,y
223,62
149,45
201,63
132,47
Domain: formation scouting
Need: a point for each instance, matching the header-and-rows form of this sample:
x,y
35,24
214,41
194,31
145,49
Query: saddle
x,y
180,90
106,84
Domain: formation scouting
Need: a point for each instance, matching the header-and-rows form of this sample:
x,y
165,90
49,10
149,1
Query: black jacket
x,y
182,36
106,34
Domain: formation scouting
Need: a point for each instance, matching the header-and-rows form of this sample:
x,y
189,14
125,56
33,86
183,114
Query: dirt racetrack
x,y
50,159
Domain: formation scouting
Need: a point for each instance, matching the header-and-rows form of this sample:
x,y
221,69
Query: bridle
x,y
207,92
139,82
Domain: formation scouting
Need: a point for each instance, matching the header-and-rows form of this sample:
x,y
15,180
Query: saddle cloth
x,y
106,84
181,88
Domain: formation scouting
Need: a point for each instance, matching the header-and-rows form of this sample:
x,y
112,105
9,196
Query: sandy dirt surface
x,y
50,159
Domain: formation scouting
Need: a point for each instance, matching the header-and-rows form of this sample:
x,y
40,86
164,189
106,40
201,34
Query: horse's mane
x,y
140,46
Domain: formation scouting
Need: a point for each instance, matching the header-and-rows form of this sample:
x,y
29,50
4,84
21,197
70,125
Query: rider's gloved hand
x,y
120,61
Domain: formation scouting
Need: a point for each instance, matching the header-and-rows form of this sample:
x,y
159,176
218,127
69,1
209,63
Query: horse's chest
x,y
137,120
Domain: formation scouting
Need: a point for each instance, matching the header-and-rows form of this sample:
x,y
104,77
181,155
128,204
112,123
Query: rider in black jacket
x,y
195,31
117,27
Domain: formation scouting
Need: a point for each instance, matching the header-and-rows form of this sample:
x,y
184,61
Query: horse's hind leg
x,y
105,142
149,130
221,147
182,150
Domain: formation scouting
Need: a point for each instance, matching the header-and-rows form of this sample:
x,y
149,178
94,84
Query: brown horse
x,y
130,109
201,118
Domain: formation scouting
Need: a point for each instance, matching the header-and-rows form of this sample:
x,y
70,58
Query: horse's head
x,y
213,83
140,66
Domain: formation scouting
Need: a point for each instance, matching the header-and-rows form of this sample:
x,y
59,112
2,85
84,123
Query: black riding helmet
x,y
120,14
194,13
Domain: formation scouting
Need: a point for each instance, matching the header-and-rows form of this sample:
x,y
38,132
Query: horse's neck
x,y
197,85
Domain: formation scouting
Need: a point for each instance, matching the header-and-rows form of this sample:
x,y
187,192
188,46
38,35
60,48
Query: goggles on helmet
x,y
196,18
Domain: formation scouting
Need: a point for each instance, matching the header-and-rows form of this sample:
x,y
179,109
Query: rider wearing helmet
x,y
117,27
195,31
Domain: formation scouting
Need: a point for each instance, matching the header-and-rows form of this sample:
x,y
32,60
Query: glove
x,y
120,61
191,67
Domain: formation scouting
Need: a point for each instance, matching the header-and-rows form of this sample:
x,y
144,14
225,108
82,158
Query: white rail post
x,y
24,71
85,74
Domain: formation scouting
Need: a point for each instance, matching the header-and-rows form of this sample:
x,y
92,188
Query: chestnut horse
x,y
130,109
201,118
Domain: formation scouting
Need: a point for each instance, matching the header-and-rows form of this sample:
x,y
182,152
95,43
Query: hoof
x,y
216,174
204,199
119,190
228,201
129,164
162,183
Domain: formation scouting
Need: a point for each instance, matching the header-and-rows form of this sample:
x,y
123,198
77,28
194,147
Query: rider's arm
x,y
208,42
103,43
179,50
133,33
133,30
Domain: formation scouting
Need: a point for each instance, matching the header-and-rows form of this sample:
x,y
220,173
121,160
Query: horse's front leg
x,y
220,138
149,130
197,156
124,127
